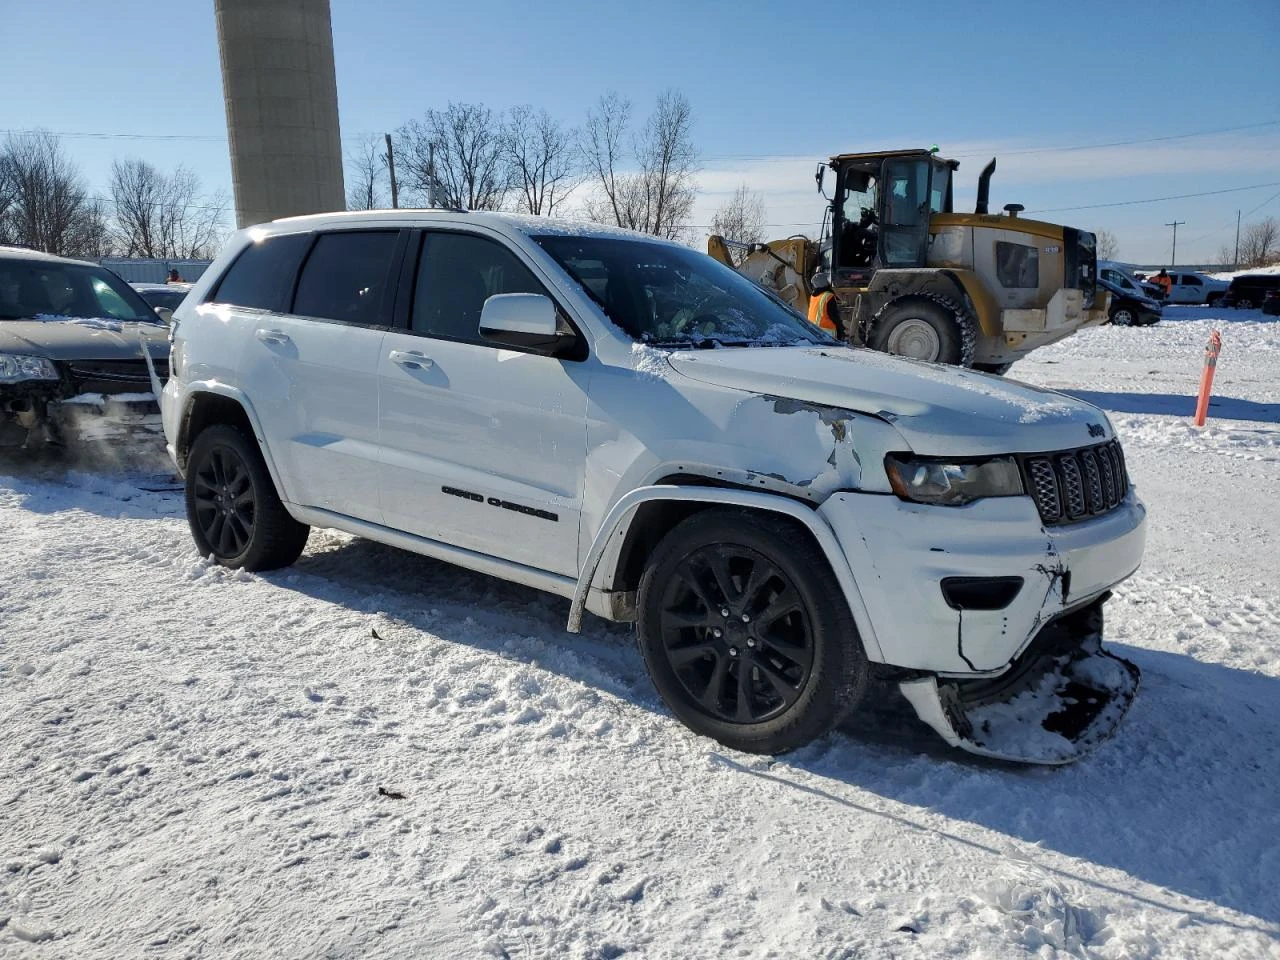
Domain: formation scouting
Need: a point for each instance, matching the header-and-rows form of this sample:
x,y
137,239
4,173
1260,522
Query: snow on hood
x,y
939,410
66,338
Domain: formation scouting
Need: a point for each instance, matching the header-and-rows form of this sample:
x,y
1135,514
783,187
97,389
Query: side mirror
x,y
819,176
165,315
524,320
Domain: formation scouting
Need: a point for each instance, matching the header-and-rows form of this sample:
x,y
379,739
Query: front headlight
x,y
16,366
927,480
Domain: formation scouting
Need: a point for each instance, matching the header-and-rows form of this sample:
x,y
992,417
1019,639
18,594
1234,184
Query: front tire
x,y
233,509
746,633
1123,317
931,328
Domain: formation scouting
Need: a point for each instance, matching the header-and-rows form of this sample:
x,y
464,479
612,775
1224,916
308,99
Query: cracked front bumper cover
x,y
1058,703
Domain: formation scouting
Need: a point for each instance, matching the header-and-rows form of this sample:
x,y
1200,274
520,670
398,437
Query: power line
x,y
1180,196
1126,143
747,157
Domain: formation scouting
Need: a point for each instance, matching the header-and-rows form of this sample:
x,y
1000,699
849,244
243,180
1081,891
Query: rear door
x,y
483,447
313,370
1188,288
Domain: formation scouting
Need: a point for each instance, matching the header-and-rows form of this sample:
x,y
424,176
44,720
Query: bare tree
x,y
1225,257
45,204
543,159
164,215
463,150
668,163
606,158
742,219
1260,243
650,187
366,173
1108,246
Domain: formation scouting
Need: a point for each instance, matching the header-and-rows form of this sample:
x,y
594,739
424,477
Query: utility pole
x,y
431,175
1173,259
391,170
1235,264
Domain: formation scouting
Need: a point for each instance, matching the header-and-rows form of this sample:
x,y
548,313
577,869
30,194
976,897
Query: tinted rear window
x,y
262,276
346,277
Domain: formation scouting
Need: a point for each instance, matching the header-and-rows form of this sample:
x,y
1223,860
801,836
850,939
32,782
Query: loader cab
x,y
881,208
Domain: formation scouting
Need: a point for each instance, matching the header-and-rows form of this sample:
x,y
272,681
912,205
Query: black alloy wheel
x,y
746,632
736,633
235,514
225,507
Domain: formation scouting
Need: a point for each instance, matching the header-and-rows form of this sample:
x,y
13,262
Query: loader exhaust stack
x,y
984,186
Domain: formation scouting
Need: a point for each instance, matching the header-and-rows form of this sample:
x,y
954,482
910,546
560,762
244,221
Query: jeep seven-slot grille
x,y
1076,484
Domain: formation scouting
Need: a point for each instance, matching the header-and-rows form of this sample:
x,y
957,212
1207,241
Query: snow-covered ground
x,y
195,759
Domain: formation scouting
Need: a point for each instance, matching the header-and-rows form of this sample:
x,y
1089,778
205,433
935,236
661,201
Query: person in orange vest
x,y
1163,280
824,312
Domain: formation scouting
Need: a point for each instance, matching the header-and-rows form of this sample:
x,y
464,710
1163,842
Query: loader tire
x,y
233,509
746,633
925,327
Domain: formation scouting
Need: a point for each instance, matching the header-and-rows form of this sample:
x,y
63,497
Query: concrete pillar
x,y
282,107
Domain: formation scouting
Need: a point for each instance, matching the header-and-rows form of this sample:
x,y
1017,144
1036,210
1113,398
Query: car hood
x,y
83,339
939,410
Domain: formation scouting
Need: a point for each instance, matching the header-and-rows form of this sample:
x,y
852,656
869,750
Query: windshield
x,y
39,288
674,296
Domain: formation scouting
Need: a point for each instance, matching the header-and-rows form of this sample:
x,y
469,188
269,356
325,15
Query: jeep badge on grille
x,y
1097,430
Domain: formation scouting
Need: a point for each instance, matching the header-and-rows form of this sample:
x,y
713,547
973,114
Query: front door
x,y
483,447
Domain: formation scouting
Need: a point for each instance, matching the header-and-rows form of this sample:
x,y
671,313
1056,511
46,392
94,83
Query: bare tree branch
x,y
543,158
652,189
469,157
44,203
1260,243
366,174
164,216
1108,246
742,218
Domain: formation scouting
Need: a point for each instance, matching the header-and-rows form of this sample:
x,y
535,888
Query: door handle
x,y
411,359
271,336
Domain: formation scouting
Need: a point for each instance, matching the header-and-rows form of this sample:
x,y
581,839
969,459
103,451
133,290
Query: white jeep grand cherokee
x,y
628,423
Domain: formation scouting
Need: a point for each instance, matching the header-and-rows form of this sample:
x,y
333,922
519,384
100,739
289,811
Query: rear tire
x,y
233,509
925,327
728,591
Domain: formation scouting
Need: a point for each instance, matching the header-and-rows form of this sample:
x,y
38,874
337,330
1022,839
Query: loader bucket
x,y
1054,713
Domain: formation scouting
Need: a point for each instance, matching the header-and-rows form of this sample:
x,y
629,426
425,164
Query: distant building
x,y
144,270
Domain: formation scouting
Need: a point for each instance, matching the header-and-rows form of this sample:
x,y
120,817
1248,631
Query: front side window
x,y
345,277
457,273
674,296
938,189
1191,280
32,288
262,276
1017,265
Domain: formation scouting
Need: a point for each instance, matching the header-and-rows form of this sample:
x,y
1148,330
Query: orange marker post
x,y
1206,379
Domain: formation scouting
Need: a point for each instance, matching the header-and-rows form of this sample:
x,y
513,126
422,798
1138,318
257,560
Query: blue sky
x,y
775,87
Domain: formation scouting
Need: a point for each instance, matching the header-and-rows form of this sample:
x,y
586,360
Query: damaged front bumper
x,y
991,621
1063,697
49,414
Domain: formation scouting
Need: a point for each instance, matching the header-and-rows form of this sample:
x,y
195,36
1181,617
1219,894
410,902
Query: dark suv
x,y
1250,289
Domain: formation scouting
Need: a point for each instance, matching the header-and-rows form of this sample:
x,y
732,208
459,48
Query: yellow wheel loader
x,y
912,277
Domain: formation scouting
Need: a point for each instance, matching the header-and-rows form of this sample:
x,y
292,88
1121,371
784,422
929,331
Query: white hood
x,y
939,410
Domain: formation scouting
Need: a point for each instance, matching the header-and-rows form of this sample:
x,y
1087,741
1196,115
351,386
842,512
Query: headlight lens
x,y
16,366
923,480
